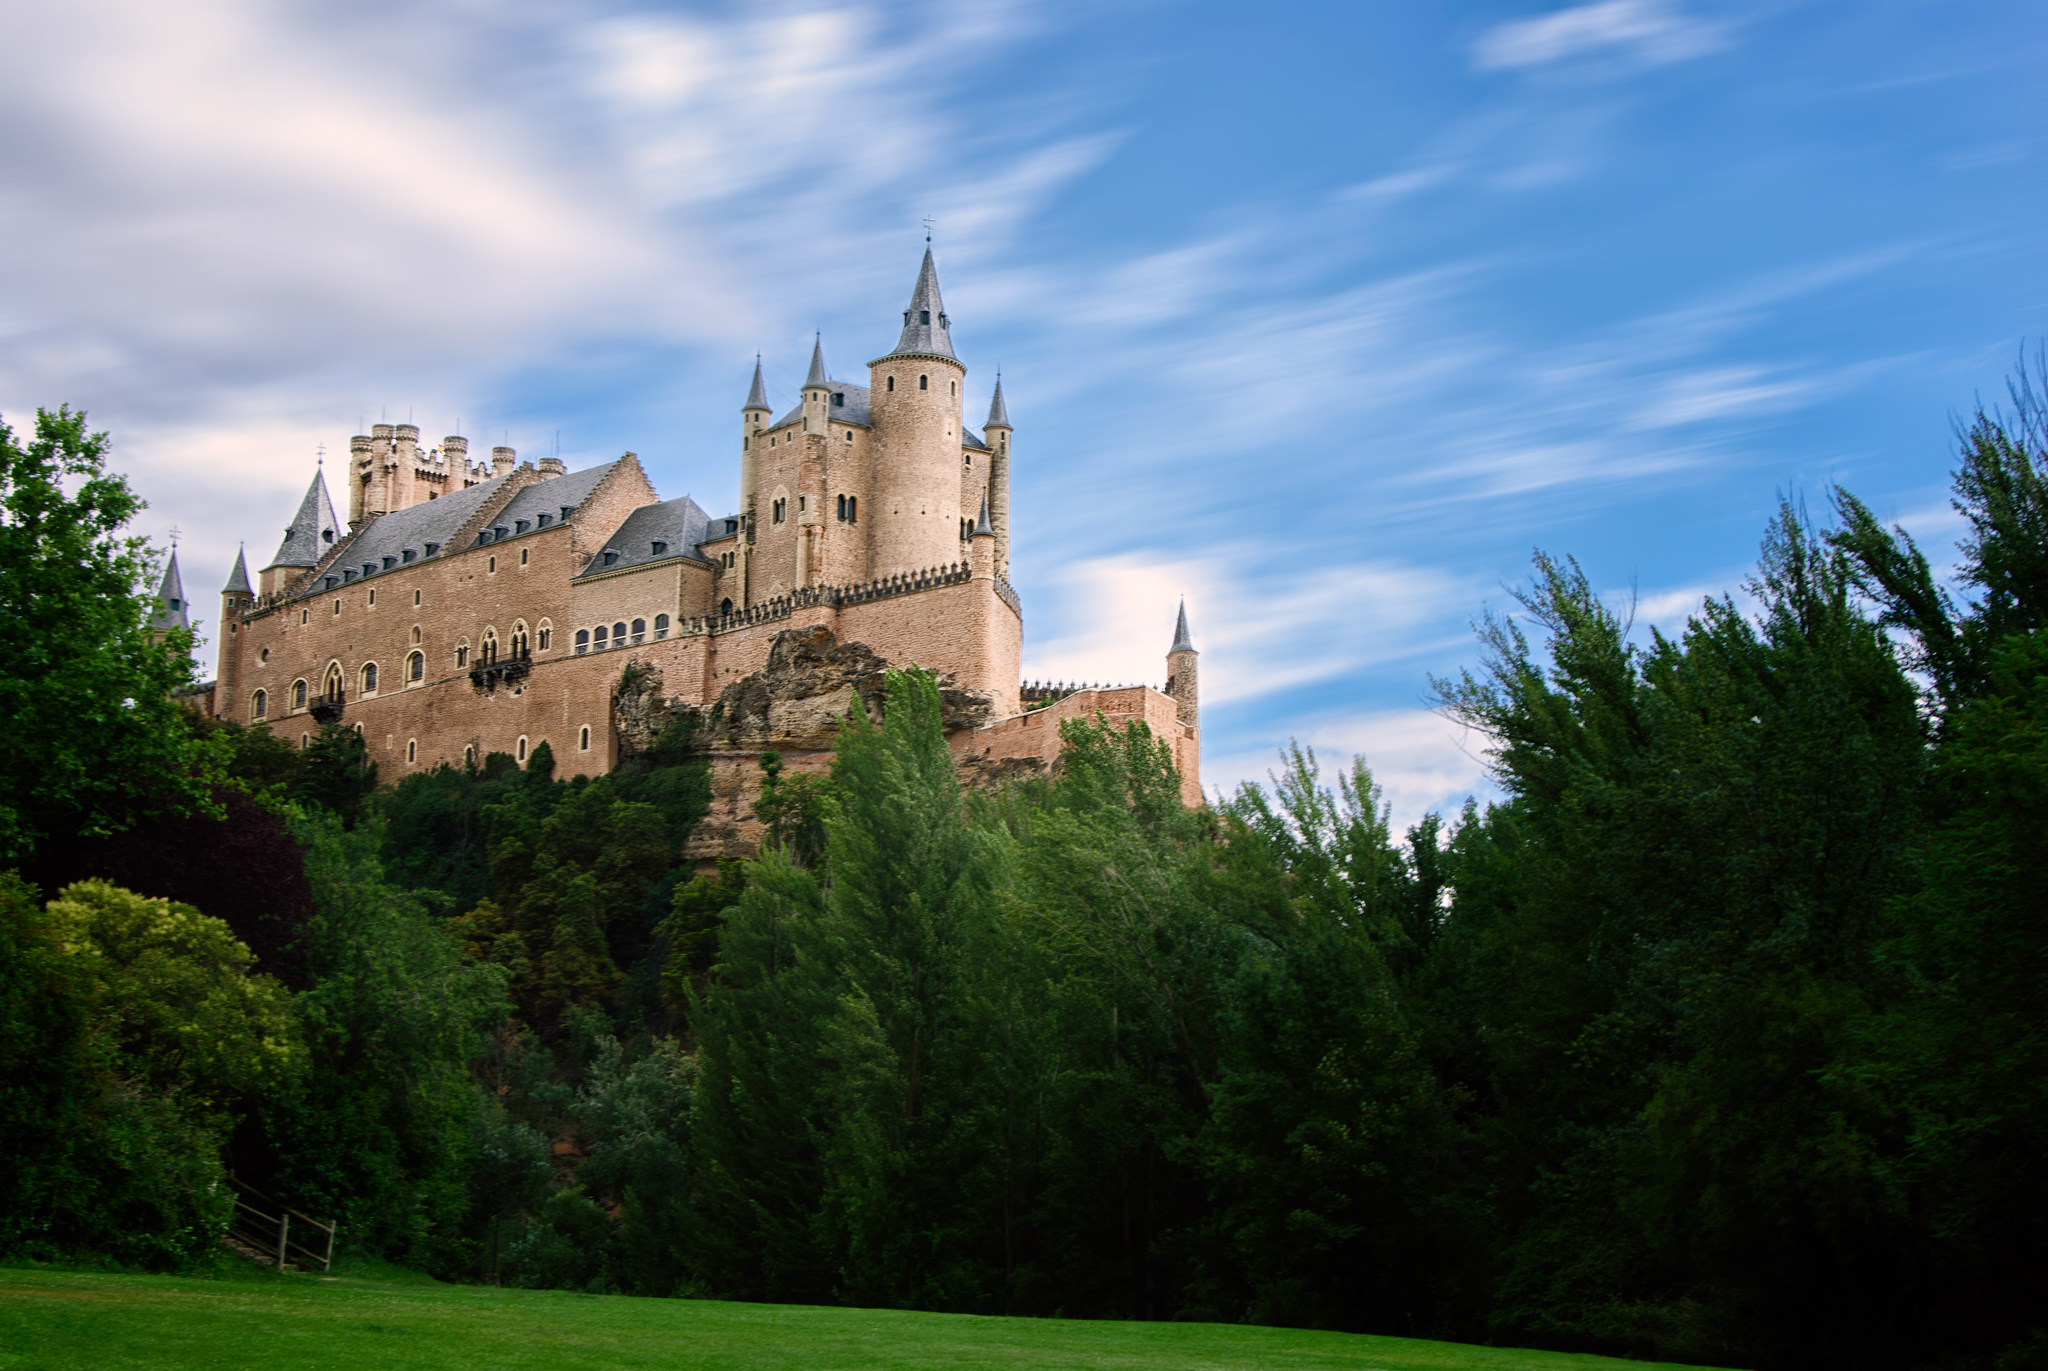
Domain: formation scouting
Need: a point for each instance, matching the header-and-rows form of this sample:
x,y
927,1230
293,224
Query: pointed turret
x,y
313,530
238,579
170,600
816,377
925,326
1183,679
998,413
981,528
757,395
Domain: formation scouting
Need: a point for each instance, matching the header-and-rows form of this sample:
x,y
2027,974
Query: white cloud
x,y
1650,31
1422,761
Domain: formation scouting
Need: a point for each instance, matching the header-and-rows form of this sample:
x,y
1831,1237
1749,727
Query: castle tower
x,y
310,537
914,397
997,432
1183,680
810,485
235,597
171,610
755,416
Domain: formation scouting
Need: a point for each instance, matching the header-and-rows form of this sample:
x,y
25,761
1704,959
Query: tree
x,y
95,741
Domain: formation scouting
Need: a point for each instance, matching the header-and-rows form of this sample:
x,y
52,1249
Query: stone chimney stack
x,y
502,460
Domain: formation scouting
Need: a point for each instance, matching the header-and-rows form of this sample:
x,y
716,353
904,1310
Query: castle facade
x,y
469,608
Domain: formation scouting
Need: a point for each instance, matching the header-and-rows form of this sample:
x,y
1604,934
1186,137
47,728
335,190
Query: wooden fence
x,y
266,1226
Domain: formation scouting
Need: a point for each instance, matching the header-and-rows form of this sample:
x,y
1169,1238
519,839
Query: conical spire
x,y
757,397
998,416
925,326
1181,641
313,529
817,374
238,579
170,600
981,525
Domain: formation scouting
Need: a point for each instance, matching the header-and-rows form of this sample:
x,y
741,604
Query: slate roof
x,y
314,530
170,600
926,329
998,414
547,499
677,526
757,395
854,411
1181,641
410,530
816,375
238,579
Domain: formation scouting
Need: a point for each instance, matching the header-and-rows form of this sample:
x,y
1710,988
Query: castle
x,y
469,607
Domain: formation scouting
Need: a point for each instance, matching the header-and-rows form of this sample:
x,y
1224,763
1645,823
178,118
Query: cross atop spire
x,y
926,330
1181,641
757,397
817,375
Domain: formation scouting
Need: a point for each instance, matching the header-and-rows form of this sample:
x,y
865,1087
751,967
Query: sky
x,y
1322,316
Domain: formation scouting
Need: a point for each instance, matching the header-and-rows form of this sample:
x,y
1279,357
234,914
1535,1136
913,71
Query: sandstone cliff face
x,y
793,706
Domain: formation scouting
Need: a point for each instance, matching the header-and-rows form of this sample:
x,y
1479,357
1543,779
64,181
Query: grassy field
x,y
59,1320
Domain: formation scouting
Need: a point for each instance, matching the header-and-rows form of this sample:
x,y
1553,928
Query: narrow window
x,y
924,316
373,597
849,435
725,607
337,606
305,741
260,705
619,634
415,635
369,677
661,626
598,637
543,638
952,387
583,739
305,616
924,383
892,383
334,683
461,658
298,694
415,598
842,508
416,667
522,749
582,641
412,749
522,556
469,758
853,509
494,565
803,502
639,629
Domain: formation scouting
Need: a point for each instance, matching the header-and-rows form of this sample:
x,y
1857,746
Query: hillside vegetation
x,y
1719,1038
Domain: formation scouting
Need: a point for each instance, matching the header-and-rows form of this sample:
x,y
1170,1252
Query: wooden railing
x,y
265,1225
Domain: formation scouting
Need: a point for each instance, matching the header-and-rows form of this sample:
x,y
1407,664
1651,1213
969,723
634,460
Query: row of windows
x,y
848,509
619,634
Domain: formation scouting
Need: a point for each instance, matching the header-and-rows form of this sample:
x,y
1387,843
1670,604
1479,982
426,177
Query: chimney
x,y
502,459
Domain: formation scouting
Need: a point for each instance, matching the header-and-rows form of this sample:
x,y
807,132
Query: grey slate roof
x,y
238,579
170,600
410,530
757,396
816,375
1181,641
925,326
547,499
981,528
998,415
314,529
676,526
853,411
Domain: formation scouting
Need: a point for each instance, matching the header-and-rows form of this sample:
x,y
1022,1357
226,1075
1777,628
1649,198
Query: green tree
x,y
95,741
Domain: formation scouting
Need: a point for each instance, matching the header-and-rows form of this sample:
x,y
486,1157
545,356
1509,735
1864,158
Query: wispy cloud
x,y
1647,31
1422,761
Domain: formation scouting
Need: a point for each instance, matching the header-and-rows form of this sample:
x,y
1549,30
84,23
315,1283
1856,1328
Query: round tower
x,y
997,433
1183,678
914,403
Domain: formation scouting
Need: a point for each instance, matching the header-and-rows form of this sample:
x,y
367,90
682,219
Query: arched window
x,y
583,739
462,657
924,383
619,634
259,704
412,749
725,606
639,629
333,691
582,641
892,384
298,694
469,758
415,635
416,667
598,637
544,636
369,677
519,639
522,749
488,653
660,626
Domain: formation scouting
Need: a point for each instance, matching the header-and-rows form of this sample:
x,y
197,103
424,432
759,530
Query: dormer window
x,y
331,582
567,510
390,562
433,548
924,316
521,525
661,549
610,557
839,398
732,526
501,532
326,535
541,520
407,555
369,568
347,575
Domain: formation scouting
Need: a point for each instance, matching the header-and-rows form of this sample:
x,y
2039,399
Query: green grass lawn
x,y
52,1320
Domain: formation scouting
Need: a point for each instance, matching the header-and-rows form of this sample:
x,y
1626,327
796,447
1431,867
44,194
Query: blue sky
x,y
1321,315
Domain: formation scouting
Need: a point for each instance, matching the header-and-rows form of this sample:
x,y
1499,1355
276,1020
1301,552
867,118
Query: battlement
x,y
807,597
1038,694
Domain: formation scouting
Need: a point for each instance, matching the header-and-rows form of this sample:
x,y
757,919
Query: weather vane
x,y
320,455
175,532
928,229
